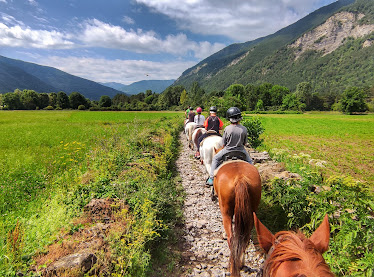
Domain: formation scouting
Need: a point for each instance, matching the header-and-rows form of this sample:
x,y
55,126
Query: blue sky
x,y
126,41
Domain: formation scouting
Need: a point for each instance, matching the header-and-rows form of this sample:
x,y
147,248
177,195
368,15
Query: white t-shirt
x,y
199,119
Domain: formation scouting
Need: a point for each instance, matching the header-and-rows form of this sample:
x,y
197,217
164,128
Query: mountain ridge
x,y
156,86
253,62
21,75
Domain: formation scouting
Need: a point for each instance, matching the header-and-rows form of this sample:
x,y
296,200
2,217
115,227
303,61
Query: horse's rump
x,y
197,133
207,150
238,186
189,128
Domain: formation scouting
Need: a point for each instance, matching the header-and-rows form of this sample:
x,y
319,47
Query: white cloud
x,y
33,2
128,20
2,1
121,71
242,20
20,36
99,34
10,20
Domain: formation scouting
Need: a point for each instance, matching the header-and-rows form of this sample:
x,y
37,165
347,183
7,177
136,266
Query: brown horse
x,y
292,254
238,187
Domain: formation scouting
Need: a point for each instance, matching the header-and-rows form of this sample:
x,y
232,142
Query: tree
x,y
76,99
12,101
195,94
120,99
43,100
304,93
251,96
62,100
291,102
170,97
30,99
316,102
105,101
277,93
260,105
353,100
183,98
53,99
264,93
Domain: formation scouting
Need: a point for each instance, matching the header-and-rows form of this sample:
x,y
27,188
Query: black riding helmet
x,y
234,114
213,109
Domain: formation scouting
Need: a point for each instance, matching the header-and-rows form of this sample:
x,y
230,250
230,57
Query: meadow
x,y
333,153
344,142
53,162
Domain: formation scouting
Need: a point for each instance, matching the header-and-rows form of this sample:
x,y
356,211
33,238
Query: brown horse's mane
x,y
292,246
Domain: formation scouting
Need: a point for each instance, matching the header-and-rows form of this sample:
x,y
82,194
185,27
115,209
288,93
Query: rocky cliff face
x,y
330,35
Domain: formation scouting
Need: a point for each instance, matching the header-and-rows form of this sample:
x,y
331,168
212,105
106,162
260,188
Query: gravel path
x,y
206,252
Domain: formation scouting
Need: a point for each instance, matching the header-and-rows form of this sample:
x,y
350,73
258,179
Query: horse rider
x,y
187,112
199,118
234,138
212,124
191,115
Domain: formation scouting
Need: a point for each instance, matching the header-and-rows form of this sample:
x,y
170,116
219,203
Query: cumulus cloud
x,y
241,20
21,36
121,71
99,34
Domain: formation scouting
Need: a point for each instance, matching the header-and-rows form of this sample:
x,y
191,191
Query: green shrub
x,y
349,206
254,129
49,108
81,107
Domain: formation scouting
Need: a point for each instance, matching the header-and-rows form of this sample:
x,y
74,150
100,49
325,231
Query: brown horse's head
x,y
292,254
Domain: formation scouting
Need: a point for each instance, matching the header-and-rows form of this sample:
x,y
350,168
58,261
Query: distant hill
x,y
24,75
157,86
332,48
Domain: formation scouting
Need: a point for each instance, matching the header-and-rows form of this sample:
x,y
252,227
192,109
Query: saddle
x,y
227,162
234,155
211,133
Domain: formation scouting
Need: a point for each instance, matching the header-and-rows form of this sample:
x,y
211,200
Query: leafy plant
x,y
254,129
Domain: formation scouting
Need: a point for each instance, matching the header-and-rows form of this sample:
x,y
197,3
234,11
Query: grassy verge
x,y
320,148
58,161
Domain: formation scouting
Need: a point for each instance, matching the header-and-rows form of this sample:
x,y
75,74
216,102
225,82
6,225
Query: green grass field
x,y
44,155
345,142
334,154
53,162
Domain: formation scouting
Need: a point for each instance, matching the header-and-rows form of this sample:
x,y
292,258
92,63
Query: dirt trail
x,y
206,252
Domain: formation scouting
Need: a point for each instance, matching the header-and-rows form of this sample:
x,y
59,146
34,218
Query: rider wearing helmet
x,y
199,118
234,138
187,112
212,124
191,115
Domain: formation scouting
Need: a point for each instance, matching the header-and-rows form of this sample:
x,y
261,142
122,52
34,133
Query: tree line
x,y
262,98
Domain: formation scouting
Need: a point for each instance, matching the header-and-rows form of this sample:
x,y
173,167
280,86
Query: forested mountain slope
x,y
23,75
331,48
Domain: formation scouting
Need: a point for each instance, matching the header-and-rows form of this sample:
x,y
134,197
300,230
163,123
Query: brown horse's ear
x,y
321,236
264,236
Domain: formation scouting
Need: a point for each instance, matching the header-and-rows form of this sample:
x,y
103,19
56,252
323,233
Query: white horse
x,y
188,129
195,136
207,150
